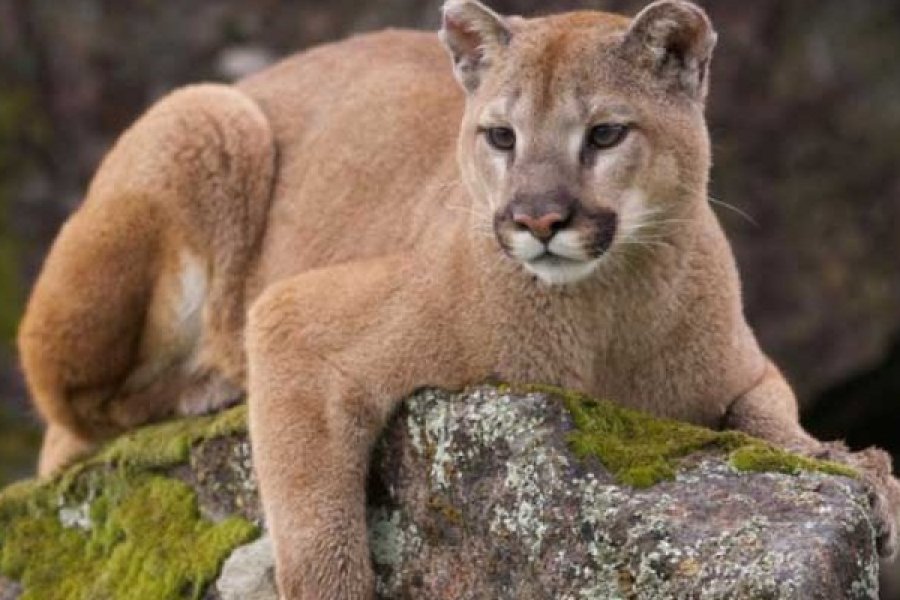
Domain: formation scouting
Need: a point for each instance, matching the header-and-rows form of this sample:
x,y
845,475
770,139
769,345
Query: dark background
x,y
804,113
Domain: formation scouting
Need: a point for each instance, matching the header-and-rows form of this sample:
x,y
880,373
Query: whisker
x,y
665,221
644,242
735,209
658,229
649,210
661,224
468,210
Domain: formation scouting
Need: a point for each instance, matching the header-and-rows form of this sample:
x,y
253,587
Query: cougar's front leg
x,y
769,411
329,355
312,427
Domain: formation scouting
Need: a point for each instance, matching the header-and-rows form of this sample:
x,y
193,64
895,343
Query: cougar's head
x,y
583,132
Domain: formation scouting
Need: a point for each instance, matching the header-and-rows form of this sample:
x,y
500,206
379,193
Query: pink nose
x,y
542,227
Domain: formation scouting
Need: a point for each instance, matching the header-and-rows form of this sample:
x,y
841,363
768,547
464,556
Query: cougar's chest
x,y
551,342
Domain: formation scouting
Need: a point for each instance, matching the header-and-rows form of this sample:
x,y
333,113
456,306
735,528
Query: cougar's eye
x,y
501,138
606,135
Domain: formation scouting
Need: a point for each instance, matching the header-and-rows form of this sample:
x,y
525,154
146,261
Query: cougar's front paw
x,y
326,581
875,468
327,557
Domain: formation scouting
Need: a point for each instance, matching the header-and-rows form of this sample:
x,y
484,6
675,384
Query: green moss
x,y
641,450
149,543
18,499
760,457
115,527
165,444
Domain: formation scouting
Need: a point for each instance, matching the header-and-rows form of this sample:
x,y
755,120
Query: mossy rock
x,y
640,450
491,492
122,524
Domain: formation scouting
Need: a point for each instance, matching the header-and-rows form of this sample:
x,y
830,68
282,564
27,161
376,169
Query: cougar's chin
x,y
559,270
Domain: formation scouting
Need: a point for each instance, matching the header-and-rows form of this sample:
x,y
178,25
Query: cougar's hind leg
x,y
140,302
221,169
230,216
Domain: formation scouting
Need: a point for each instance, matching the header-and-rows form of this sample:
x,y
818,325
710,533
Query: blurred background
x,y
804,113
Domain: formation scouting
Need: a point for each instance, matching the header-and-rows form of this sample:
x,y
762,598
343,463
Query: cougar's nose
x,y
542,224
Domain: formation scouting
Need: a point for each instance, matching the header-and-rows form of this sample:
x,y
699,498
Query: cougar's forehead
x,y
559,76
561,58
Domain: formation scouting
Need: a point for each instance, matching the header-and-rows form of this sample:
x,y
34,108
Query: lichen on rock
x,y
528,492
496,492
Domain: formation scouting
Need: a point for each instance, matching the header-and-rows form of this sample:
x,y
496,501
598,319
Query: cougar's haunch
x,y
139,310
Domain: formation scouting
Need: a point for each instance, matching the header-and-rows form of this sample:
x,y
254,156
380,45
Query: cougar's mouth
x,y
549,260
555,269
563,259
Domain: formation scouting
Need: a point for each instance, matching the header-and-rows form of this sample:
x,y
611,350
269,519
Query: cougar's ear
x,y
675,40
475,36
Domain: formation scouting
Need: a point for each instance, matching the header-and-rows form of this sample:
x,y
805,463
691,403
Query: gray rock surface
x,y
479,496
9,590
248,574
482,498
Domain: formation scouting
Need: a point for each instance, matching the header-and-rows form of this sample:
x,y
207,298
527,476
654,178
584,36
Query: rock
x,y
248,574
9,590
488,493
506,510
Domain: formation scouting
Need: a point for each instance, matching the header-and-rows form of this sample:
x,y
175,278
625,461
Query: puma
x,y
352,224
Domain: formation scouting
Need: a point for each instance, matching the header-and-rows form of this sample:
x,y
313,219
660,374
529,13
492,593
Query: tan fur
x,y
392,259
140,304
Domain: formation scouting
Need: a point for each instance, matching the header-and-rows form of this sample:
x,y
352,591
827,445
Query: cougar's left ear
x,y
475,36
675,40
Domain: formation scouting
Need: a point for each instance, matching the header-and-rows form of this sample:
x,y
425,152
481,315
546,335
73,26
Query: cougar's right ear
x,y
475,36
